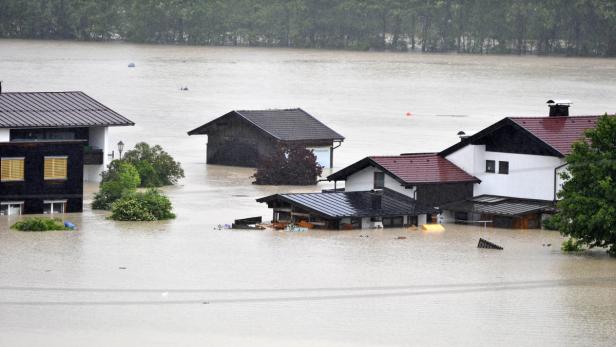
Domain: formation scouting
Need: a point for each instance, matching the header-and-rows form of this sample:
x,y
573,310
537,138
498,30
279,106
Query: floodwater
x,y
182,282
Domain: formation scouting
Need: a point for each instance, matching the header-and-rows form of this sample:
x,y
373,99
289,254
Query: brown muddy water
x,y
183,283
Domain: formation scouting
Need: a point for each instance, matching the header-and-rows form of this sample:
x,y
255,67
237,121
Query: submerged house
x,y
49,144
388,191
240,138
506,175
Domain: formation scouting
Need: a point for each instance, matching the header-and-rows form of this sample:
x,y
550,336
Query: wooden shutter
x,y
56,168
11,169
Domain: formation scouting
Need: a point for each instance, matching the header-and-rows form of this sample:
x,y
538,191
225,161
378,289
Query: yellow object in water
x,y
432,227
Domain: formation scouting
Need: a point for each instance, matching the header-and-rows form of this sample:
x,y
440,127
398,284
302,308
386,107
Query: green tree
x,y
155,166
119,179
587,209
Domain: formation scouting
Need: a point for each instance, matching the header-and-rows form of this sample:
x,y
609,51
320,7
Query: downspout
x,y
556,178
331,154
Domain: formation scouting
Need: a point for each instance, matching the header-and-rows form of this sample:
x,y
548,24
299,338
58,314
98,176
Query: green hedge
x,y
39,224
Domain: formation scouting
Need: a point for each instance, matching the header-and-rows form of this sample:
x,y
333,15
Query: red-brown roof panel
x,y
423,168
558,132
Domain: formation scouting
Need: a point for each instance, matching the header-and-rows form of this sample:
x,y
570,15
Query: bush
x,y
571,245
551,223
148,206
155,166
39,224
289,166
120,178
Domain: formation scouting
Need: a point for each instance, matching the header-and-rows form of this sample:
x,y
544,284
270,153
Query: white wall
x,y
323,155
530,176
99,138
5,135
363,180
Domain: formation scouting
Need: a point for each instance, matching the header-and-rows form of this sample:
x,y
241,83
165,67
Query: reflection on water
x,y
148,282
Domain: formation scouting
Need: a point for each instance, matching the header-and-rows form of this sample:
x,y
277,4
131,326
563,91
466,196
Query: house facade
x,y
519,161
240,138
61,116
42,177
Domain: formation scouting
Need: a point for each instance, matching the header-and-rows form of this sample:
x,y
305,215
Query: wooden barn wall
x,y
232,141
437,194
34,189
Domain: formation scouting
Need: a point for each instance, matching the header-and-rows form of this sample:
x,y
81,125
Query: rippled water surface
x,y
182,282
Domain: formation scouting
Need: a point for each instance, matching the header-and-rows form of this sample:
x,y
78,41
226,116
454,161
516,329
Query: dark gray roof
x,y
500,206
54,110
286,125
352,204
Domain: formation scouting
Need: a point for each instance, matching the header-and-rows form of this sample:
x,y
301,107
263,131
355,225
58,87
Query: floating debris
x,y
401,238
131,65
184,89
122,268
432,227
70,225
488,245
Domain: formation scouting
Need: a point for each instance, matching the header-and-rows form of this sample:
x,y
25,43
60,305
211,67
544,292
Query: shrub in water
x,y
119,179
39,224
147,206
571,245
551,223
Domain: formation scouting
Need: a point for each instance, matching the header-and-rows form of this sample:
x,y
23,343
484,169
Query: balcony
x,y
92,156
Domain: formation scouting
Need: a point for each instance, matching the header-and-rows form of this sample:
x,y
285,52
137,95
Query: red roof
x,y
423,168
558,132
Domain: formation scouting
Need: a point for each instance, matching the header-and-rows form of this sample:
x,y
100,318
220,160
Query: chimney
x,y
559,108
462,135
377,197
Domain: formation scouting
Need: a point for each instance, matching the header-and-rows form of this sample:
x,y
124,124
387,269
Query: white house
x,y
46,116
519,161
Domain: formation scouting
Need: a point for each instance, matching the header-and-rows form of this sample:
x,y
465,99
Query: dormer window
x,y
490,166
379,180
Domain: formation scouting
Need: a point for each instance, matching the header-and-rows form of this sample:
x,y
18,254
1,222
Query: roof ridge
x,y
68,91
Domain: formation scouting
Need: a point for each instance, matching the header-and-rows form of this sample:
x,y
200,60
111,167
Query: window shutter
x,y
11,169
56,168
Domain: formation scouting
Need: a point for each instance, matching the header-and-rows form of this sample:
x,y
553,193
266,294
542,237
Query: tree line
x,y
548,27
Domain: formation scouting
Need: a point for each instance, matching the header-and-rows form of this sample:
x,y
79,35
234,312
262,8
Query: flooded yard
x,y
185,283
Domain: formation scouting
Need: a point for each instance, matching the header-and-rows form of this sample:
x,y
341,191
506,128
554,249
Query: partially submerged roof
x,y
283,124
500,206
557,134
55,110
352,204
411,169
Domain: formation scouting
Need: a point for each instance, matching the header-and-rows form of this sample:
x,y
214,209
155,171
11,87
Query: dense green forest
x,y
568,27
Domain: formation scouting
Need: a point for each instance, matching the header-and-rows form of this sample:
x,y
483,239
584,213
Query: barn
x,y
240,138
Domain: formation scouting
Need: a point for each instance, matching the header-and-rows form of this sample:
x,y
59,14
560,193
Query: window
x,y
50,207
503,167
11,208
379,180
490,166
393,222
11,169
56,168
